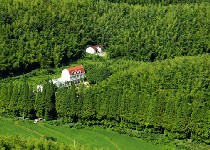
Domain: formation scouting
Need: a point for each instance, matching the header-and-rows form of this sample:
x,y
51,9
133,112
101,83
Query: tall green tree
x,y
59,102
13,106
25,103
39,103
3,98
49,100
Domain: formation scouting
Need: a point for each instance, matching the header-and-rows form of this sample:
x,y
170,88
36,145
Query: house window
x,y
73,76
78,72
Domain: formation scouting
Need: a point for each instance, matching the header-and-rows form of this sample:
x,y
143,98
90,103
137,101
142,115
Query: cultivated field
x,y
89,138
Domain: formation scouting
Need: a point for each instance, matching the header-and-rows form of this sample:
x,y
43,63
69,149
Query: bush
x,y
50,138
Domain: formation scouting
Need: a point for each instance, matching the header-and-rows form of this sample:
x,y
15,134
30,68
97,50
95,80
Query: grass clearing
x,y
91,138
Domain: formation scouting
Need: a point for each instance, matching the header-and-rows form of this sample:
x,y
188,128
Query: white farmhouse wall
x,y
90,50
99,50
65,76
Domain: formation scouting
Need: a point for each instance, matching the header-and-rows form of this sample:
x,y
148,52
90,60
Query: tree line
x,y
170,97
49,34
165,2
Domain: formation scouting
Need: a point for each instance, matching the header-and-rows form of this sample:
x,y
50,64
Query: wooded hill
x,y
50,33
143,85
170,97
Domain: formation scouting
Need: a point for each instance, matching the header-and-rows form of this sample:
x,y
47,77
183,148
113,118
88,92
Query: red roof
x,y
76,70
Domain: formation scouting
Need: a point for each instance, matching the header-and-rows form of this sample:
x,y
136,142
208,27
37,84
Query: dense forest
x,y
156,77
49,33
170,97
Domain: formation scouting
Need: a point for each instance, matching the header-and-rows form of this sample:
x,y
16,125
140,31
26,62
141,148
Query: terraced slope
x,y
90,138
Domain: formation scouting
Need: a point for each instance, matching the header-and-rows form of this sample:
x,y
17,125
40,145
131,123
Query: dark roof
x,y
95,47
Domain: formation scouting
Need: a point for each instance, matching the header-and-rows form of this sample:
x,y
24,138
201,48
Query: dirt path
x,y
42,135
74,141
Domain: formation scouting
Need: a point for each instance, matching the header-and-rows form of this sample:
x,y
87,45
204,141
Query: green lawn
x,y
91,138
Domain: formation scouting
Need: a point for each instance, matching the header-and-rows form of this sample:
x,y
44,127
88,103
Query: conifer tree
x,y
39,103
3,98
49,100
24,103
80,101
88,109
31,102
67,106
14,101
59,102
73,102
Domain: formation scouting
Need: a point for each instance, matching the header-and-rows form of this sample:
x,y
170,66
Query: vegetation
x,y
8,142
154,80
48,34
169,97
165,2
25,134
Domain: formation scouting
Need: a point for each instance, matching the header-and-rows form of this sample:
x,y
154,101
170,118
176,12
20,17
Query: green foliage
x,y
67,104
97,73
146,2
25,104
17,98
14,101
49,100
168,97
85,139
16,142
48,34
45,101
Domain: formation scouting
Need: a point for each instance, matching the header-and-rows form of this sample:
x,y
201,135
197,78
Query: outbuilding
x,y
95,49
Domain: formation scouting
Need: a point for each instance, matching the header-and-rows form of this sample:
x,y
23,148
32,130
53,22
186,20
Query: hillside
x,y
153,84
169,97
61,136
48,34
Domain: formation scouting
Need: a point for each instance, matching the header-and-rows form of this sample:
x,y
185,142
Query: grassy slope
x,y
99,139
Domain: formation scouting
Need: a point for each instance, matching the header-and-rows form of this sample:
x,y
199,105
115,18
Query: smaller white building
x,y
96,49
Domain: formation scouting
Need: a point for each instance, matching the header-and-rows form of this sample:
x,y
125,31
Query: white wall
x,y
99,50
65,76
90,50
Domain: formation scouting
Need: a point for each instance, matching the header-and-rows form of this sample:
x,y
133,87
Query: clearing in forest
x,y
91,138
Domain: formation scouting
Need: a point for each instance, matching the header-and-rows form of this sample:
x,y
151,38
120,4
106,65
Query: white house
x,y
73,74
96,49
